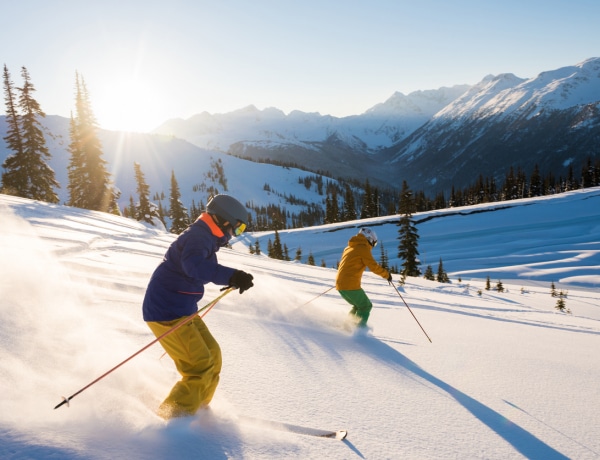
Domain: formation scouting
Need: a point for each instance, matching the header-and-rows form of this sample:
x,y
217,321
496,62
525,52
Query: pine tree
x,y
131,210
89,181
429,274
367,200
442,276
277,250
349,209
384,259
560,304
14,180
257,248
374,203
535,183
553,292
311,259
589,175
488,284
195,211
332,207
511,186
145,210
78,180
571,182
27,174
177,212
408,235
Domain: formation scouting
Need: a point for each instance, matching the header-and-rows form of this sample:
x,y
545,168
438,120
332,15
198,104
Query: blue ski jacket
x,y
178,282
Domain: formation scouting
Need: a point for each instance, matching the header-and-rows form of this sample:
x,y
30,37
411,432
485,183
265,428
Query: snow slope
x,y
506,376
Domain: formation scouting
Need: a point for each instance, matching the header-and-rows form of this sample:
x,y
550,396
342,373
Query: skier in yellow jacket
x,y
355,259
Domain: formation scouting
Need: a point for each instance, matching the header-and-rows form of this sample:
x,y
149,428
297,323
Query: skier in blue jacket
x,y
174,290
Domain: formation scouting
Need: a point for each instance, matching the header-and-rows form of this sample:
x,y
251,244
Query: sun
x,y
127,104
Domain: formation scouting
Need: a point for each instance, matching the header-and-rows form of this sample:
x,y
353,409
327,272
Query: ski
x,y
340,435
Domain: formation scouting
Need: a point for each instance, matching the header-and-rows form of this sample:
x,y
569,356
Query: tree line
x,y
340,204
26,171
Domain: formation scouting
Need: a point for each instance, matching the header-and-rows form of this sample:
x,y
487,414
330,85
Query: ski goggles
x,y
239,228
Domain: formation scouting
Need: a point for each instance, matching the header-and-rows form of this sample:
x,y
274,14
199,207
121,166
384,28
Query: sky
x,y
506,376
146,61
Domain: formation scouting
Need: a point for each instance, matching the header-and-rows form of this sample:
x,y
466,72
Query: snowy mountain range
x,y
552,120
381,126
339,147
433,139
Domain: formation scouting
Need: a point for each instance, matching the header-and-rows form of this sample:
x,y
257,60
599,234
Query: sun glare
x,y
127,104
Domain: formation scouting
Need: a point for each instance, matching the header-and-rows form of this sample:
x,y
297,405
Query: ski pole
x,y
315,298
410,311
206,307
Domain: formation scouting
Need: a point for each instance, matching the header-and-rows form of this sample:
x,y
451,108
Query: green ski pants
x,y
361,305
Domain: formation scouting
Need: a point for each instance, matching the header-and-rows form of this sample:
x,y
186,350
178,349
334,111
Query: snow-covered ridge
x,y
506,94
380,126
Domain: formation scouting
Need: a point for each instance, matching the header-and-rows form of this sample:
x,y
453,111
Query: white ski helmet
x,y
370,235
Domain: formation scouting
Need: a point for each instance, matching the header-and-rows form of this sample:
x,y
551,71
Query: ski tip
x,y
339,435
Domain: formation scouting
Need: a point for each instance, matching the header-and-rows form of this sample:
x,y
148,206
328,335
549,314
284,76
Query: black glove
x,y
241,280
390,278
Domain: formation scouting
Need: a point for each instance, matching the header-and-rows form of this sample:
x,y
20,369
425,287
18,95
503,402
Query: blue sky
x,y
147,61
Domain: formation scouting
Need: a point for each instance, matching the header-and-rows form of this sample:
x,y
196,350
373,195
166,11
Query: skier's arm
x,y
372,264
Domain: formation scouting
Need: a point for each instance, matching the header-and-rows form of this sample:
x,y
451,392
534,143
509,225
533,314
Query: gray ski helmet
x,y
370,235
228,208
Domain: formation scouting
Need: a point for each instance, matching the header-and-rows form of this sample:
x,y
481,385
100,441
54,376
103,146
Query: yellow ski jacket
x,y
355,259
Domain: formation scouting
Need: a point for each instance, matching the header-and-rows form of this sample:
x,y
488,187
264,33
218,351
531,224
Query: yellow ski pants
x,y
197,356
